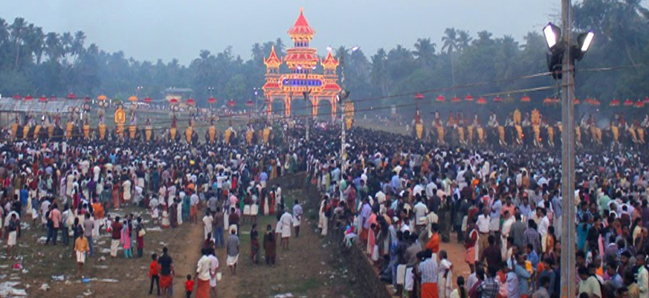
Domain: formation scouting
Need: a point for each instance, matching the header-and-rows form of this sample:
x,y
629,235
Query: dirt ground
x,y
310,268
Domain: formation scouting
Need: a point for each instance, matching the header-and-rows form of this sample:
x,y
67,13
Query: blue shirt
x,y
395,183
24,194
365,214
534,258
557,206
523,275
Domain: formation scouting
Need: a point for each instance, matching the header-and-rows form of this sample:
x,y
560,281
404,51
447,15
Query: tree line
x,y
38,63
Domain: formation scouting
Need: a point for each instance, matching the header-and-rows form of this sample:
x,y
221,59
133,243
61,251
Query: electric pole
x,y
568,239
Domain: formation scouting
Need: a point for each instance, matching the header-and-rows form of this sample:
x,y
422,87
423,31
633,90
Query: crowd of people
x,y
78,191
399,198
395,196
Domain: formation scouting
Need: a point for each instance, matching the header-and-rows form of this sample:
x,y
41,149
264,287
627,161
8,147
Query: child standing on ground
x,y
189,286
154,270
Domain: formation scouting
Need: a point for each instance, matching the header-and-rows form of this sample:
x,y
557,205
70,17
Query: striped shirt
x,y
489,288
428,270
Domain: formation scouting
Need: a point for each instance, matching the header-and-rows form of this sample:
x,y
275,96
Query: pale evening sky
x,y
166,29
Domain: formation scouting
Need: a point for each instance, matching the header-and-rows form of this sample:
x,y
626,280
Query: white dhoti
x,y
11,240
232,260
410,280
233,228
206,230
254,210
81,257
401,274
286,231
494,225
140,182
114,245
246,210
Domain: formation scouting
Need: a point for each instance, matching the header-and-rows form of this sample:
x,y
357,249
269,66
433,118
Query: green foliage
x,y
38,63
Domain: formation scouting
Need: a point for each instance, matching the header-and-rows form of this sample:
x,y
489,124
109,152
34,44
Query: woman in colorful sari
x,y
186,207
254,244
126,240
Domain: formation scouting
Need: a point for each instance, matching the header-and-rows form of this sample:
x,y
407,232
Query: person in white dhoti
x,y
504,233
323,220
445,276
285,222
232,251
297,217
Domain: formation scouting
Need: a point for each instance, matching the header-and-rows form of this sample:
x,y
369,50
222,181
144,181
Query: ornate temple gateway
x,y
301,61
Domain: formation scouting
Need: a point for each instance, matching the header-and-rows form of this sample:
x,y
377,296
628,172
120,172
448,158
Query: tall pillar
x,y
269,110
333,108
287,106
314,106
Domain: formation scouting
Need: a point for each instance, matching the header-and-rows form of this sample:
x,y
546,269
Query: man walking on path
x,y
233,251
297,217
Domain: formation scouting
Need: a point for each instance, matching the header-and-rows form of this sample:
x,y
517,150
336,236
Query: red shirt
x,y
189,285
117,230
153,268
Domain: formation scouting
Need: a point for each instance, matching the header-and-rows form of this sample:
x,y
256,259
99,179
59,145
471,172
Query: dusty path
x,y
310,267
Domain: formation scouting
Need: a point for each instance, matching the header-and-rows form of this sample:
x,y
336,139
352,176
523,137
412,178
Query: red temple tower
x,y
301,61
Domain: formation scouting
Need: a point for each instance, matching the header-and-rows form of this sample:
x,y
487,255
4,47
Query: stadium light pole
x,y
561,64
341,98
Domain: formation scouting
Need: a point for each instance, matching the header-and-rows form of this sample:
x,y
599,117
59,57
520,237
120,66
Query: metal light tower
x,y
568,286
561,63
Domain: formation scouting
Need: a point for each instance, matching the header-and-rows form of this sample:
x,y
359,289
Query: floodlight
x,y
552,35
585,40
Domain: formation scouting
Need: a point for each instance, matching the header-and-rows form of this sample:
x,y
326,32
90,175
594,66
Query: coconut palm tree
x,y
424,52
463,40
17,31
53,47
450,41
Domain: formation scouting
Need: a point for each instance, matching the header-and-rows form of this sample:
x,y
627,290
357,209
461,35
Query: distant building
x,y
178,93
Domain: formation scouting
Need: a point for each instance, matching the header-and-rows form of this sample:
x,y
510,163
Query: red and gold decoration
x,y
211,132
266,134
148,129
189,131
69,126
349,114
227,135
250,133
301,61
14,128
103,104
120,119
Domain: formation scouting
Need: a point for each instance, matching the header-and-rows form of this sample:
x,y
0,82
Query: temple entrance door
x,y
324,109
299,108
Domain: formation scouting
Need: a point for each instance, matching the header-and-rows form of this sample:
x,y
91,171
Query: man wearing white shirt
x,y
430,189
483,229
543,228
208,221
420,214
418,189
